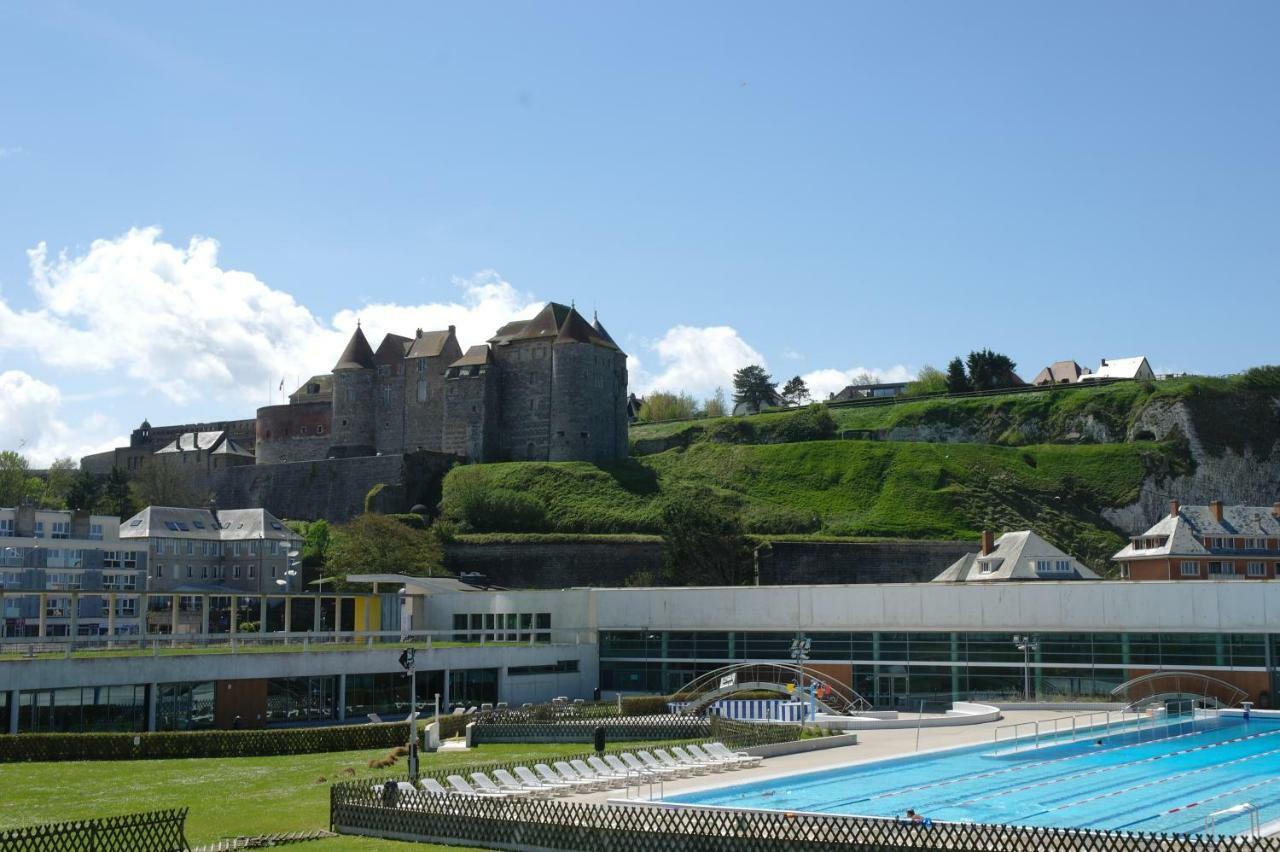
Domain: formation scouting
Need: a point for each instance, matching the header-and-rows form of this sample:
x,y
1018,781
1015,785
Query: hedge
x,y
645,705
261,742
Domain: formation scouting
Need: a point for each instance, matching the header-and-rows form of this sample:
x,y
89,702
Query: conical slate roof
x,y
600,330
358,354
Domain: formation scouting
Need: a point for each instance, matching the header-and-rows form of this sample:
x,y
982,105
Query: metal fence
x,y
154,831
583,730
548,824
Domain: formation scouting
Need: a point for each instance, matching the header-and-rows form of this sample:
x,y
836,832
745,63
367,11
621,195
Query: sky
x,y
198,201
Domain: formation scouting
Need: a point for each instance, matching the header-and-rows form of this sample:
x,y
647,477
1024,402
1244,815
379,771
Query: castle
x,y
551,388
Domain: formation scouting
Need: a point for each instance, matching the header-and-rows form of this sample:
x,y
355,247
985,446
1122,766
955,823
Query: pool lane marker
x,y
1041,763
1235,792
1058,779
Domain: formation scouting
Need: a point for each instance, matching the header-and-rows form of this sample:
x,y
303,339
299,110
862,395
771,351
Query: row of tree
x,y
65,486
982,370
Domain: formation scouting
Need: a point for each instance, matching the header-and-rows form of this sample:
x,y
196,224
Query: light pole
x,y
407,661
800,648
1026,644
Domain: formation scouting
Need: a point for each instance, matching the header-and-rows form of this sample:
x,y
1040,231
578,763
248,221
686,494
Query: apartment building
x,y
1213,542
63,558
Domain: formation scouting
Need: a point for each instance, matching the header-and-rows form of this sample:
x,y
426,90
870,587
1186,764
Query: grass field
x,y
227,797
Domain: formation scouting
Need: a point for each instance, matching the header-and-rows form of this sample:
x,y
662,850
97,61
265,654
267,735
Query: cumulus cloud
x,y
822,383
176,322
694,359
31,422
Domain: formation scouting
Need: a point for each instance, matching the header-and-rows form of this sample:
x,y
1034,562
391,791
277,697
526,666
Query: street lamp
x,y
1027,645
800,648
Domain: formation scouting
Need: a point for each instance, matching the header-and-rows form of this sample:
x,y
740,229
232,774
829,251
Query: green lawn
x,y
227,797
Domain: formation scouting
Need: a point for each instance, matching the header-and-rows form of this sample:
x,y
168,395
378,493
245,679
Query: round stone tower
x,y
353,414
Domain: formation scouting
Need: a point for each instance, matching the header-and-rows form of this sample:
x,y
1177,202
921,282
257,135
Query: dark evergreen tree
x,y
703,540
753,387
82,491
990,370
957,381
795,391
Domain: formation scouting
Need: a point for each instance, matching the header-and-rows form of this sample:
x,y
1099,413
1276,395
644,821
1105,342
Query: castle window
x,y
422,389
302,430
422,365
386,396
320,429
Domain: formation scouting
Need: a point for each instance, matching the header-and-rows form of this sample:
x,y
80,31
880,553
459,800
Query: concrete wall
x,y
555,565
795,563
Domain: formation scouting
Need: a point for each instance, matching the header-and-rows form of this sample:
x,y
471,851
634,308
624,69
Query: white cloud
x,y
174,321
823,383
692,359
30,423
792,355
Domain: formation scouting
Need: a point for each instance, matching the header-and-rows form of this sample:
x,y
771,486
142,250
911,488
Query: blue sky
x,y
826,187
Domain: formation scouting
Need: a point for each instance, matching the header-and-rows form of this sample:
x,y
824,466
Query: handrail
x,y
696,693
1255,828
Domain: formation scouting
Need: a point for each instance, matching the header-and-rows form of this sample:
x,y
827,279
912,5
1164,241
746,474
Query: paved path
x,y
872,745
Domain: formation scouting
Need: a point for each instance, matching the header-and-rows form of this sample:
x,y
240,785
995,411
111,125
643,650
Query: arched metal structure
x,y
835,698
1162,686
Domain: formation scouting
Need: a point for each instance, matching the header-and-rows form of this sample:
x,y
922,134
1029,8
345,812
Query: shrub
x,y
734,430
645,705
490,509
416,522
812,423
780,520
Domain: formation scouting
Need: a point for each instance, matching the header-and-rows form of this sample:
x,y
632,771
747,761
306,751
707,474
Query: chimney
x,y
1275,510
1173,508
213,510
417,333
1215,509
452,329
988,542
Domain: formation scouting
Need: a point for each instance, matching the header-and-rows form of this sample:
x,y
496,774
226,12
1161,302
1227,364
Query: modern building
x,y
874,391
1211,542
1019,555
82,576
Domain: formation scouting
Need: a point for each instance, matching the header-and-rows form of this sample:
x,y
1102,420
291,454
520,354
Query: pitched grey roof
x,y
199,524
474,357
1060,372
429,344
557,322
357,355
1014,557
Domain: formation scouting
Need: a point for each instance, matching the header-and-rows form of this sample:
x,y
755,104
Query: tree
x,y
865,378
957,381
15,478
315,543
703,540
715,406
82,492
795,391
57,483
661,405
116,498
375,544
162,484
928,380
753,387
990,370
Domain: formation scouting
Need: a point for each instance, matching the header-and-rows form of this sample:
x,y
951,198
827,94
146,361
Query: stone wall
x,y
792,563
334,489
555,565
296,432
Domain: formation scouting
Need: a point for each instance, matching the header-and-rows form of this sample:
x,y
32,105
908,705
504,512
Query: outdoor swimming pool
x,y
1166,778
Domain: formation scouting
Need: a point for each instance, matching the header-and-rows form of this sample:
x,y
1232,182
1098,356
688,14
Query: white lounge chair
x,y
570,773
668,760
699,754
615,763
533,782
432,787
401,787
606,770
580,766
744,759
511,784
713,765
653,763
485,785
635,765
462,788
550,776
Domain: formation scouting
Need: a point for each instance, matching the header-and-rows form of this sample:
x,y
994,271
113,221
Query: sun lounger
x,y
462,788
742,757
510,784
615,763
713,765
533,782
571,773
485,785
605,769
550,776
433,787
581,767
653,763
699,754
668,760
635,765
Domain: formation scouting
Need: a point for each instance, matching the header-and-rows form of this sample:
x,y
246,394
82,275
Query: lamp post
x,y
407,661
1026,644
800,648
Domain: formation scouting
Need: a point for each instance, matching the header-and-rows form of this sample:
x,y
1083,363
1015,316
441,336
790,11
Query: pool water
x,y
1164,778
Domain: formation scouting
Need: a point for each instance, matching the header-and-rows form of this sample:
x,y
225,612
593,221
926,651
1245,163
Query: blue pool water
x,y
1166,778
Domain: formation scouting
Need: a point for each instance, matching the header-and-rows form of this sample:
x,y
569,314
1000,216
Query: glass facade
x,y
83,709
891,668
185,706
301,699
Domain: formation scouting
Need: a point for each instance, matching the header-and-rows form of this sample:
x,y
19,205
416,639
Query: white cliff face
x,y
1235,477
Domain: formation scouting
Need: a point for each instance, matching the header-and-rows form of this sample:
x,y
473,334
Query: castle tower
x,y
353,400
585,406
614,405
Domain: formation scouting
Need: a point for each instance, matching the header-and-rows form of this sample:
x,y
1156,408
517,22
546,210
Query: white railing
x,y
1255,827
1069,729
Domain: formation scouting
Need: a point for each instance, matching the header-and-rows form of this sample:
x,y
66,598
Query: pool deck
x,y
872,745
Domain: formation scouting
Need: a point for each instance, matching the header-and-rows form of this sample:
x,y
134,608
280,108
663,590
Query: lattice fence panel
x,y
555,825
155,831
